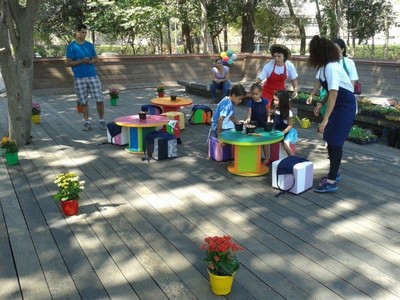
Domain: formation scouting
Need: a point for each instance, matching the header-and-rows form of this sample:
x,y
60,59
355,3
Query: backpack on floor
x,y
160,145
201,114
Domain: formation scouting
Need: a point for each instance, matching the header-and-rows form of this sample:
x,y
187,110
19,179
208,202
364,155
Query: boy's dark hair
x,y
322,52
277,48
79,27
237,90
341,44
284,103
255,86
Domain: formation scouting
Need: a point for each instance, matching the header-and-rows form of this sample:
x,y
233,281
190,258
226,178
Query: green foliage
x,y
365,18
361,134
270,22
58,18
8,145
219,14
393,111
221,255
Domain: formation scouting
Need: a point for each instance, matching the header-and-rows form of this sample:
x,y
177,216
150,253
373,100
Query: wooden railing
x,y
378,78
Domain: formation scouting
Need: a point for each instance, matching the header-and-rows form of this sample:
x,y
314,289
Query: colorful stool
x,y
151,109
277,152
117,135
174,128
176,115
217,152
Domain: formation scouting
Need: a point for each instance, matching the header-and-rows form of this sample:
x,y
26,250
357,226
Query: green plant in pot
x,y
362,136
69,186
9,149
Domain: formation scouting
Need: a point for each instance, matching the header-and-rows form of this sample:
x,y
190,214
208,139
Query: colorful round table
x,y
138,129
168,105
247,150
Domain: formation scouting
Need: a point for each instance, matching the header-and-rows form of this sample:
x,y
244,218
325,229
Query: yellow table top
x,y
166,101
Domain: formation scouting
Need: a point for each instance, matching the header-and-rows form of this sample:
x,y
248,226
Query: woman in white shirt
x,y
348,65
341,105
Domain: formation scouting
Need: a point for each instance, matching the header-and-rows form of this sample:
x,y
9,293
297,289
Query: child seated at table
x,y
258,112
283,120
224,117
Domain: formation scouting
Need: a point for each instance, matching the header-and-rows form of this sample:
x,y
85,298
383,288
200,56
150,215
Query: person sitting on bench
x,y
220,80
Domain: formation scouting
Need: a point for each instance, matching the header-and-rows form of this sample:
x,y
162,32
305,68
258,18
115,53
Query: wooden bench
x,y
203,88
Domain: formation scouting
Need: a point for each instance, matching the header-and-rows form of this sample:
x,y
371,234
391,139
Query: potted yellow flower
x,y
221,261
69,186
160,90
36,112
9,150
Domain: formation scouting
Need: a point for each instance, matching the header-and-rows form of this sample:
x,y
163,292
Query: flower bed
x,y
362,136
374,117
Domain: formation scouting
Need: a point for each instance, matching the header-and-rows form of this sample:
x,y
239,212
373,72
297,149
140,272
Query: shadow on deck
x,y
140,224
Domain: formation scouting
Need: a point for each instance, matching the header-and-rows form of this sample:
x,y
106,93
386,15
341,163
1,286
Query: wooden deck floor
x,y
140,224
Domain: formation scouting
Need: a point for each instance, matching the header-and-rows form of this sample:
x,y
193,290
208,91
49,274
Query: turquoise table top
x,y
241,139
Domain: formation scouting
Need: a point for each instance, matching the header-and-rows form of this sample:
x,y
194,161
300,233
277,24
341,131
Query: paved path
x,y
140,224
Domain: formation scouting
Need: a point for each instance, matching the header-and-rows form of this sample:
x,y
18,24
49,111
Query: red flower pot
x,y
161,94
79,108
70,207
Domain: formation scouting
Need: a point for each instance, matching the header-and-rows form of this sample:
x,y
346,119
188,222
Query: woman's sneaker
x,y
325,187
338,177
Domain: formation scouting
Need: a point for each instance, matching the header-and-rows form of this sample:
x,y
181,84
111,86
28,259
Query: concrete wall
x,y
379,78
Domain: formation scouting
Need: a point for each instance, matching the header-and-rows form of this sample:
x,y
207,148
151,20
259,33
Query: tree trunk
x,y
203,5
300,26
318,17
226,44
186,38
248,31
169,42
386,45
16,28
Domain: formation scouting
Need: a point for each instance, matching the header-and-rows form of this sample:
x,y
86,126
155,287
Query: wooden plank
x,y
10,288
141,224
24,255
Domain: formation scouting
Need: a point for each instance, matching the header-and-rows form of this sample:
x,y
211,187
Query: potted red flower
x,y
222,262
160,90
69,186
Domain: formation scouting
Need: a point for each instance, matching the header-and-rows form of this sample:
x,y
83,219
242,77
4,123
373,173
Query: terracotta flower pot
x,y
161,94
79,107
70,207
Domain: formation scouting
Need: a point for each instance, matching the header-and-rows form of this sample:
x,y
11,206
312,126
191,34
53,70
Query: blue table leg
x,y
136,139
